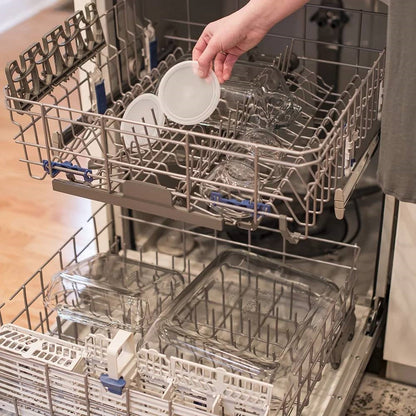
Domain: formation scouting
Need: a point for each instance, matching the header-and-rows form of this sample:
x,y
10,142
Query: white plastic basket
x,y
42,348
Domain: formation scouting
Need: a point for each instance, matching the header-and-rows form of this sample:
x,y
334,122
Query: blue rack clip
x,y
112,385
217,197
101,97
76,170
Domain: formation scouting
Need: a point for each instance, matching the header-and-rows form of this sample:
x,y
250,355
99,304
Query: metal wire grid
x,y
32,314
249,324
59,131
265,334
353,105
98,236
93,238
289,393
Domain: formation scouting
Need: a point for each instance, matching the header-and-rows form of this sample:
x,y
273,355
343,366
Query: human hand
x,y
222,42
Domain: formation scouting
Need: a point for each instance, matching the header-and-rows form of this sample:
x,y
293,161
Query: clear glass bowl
x,y
248,315
232,190
275,111
108,290
257,95
270,171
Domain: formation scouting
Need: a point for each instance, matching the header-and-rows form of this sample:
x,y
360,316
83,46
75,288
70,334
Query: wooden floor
x,y
34,220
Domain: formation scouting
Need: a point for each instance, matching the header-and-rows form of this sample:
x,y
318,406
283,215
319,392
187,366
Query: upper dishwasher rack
x,y
61,132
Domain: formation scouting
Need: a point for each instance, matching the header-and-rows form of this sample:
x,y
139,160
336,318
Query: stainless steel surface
x,y
343,195
333,394
386,245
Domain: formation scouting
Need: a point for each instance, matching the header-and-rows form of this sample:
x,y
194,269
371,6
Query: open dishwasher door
x,y
273,282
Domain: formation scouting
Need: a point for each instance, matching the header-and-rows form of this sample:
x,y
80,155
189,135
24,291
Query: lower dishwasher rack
x,y
41,376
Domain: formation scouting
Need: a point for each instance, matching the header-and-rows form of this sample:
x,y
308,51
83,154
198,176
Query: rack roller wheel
x,y
346,335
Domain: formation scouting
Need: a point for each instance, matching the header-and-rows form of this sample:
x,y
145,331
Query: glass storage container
x,y
111,291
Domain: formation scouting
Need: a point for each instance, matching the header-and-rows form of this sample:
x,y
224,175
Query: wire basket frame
x,y
62,134
152,385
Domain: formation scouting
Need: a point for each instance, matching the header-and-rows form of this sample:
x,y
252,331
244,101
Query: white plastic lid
x,y
138,110
185,97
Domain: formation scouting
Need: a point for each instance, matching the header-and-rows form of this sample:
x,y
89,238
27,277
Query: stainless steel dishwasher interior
x,y
154,214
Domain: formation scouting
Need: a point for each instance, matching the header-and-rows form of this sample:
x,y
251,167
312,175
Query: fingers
x,y
219,66
209,50
229,62
199,47
223,65
206,57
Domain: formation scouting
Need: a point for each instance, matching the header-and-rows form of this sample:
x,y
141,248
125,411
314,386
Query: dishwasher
x,y
257,300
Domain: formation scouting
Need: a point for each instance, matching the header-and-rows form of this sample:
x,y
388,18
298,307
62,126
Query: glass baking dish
x,y
248,315
108,290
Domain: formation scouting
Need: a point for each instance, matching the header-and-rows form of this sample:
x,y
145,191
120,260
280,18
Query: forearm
x,y
269,12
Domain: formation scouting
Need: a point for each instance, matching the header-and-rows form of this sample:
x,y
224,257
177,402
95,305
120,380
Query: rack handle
x,y
245,203
75,170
